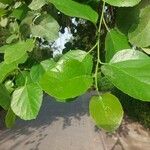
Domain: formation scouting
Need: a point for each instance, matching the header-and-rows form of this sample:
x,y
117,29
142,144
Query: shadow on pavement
x,y
50,112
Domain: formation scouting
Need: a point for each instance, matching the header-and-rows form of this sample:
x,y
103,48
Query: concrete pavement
x,y
62,126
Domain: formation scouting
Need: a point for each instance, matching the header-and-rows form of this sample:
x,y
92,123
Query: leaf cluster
x,y
126,49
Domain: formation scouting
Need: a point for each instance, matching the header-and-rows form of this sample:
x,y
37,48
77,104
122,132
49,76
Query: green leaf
x,y
21,60
126,17
26,24
139,34
46,27
106,111
81,56
38,70
20,12
146,50
122,3
26,101
68,79
5,69
2,5
4,97
22,78
115,41
10,118
16,51
2,48
128,54
3,22
2,12
131,75
6,1
37,4
75,9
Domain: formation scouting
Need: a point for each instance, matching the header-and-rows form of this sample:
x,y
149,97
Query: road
x,y
68,126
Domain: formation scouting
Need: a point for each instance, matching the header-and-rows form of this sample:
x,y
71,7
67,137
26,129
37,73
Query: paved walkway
x,y
68,127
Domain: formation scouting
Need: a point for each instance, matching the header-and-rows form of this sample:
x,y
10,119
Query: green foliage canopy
x,y
126,65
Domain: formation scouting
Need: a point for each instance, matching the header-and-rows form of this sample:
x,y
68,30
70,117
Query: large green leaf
x,y
131,75
68,79
10,118
4,97
17,51
38,70
46,27
122,3
26,101
75,9
106,111
139,34
37,4
115,41
81,56
126,17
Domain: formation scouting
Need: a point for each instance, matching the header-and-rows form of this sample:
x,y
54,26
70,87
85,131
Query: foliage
x,y
126,65
135,109
109,107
